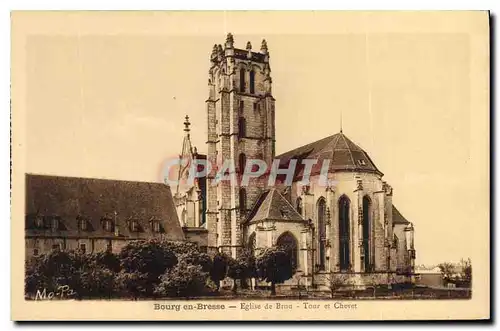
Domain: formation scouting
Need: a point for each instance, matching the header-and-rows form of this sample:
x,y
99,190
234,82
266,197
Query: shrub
x,y
335,282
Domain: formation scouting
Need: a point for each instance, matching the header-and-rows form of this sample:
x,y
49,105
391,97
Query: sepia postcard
x,y
240,165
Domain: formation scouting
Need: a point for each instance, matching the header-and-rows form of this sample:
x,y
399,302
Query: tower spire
x,y
186,125
341,121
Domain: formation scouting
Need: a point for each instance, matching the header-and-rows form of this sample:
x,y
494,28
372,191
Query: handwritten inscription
x,y
62,292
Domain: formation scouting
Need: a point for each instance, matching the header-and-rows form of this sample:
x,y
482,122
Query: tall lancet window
x,y
242,127
243,201
252,82
242,161
344,233
322,233
367,234
242,80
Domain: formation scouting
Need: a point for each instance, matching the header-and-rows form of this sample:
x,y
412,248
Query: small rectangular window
x,y
35,252
242,105
83,248
156,226
255,106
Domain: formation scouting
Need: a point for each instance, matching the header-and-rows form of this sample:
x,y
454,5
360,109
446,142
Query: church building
x,y
347,224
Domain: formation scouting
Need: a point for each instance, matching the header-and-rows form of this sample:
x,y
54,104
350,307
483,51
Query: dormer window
x,y
156,226
39,222
82,225
134,226
108,225
55,224
362,162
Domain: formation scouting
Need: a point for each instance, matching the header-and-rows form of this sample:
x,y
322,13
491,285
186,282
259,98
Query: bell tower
x,y
240,110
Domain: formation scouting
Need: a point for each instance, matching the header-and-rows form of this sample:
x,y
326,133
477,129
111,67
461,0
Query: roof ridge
x,y
256,206
333,147
33,175
350,152
270,196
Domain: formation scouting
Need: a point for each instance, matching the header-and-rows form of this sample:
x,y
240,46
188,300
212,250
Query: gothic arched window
x,y
299,205
288,242
322,233
252,82
242,127
367,233
242,161
242,80
243,200
344,233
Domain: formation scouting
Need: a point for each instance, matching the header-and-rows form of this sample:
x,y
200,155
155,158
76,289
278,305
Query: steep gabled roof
x,y
271,205
344,155
71,198
397,218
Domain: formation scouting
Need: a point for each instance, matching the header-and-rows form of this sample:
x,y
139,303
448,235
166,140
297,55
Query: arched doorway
x,y
368,263
344,233
288,242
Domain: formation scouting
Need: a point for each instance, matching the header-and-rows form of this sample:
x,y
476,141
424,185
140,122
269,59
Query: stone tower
x,y
240,110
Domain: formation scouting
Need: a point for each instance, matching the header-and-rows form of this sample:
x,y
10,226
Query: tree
x,y
466,272
107,260
236,270
97,282
196,258
274,265
335,282
247,258
132,284
447,270
145,261
54,269
219,269
184,280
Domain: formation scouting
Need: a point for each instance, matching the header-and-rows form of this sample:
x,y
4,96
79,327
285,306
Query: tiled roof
x,y
340,150
69,199
397,218
273,206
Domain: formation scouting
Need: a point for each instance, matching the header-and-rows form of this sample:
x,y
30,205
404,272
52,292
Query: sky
x,y
111,105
